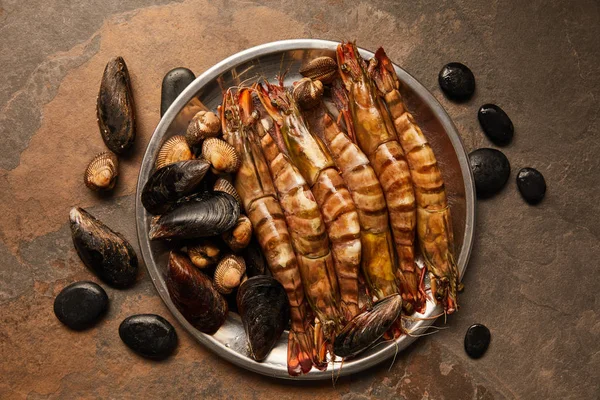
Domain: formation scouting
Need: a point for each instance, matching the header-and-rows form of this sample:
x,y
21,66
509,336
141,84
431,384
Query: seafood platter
x,y
305,209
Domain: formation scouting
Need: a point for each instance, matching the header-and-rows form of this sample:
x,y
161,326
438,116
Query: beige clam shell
x,y
221,155
308,93
205,124
101,173
321,68
173,150
223,185
229,273
204,253
239,237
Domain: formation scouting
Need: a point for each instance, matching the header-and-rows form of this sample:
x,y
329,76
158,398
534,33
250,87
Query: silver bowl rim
x,y
182,100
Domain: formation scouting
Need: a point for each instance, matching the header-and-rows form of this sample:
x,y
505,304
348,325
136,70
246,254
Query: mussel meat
x,y
173,150
101,173
194,295
107,253
204,253
221,155
263,306
205,124
367,327
308,93
115,107
322,68
203,215
170,183
239,237
223,185
229,273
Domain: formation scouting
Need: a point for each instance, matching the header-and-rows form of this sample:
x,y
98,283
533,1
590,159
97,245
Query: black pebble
x,y
477,340
496,124
531,184
457,81
149,335
174,82
80,305
491,170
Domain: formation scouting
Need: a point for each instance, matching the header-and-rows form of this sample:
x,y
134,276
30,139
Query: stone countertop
x,y
533,275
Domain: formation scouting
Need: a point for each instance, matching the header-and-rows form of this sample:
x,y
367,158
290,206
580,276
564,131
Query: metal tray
x,y
267,61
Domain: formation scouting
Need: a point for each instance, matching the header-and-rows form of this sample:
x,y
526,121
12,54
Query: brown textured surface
x,y
533,274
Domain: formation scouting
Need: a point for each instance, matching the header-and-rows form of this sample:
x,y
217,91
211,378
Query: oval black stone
x,y
174,82
457,81
477,340
491,170
496,124
80,305
149,335
531,184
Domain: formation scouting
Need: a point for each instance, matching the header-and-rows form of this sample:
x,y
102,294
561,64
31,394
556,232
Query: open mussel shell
x,y
204,215
194,295
239,237
107,253
367,327
223,185
101,173
204,253
115,107
204,124
263,306
308,93
321,68
229,273
221,155
171,183
173,150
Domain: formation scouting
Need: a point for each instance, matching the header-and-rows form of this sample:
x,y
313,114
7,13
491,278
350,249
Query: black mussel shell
x,y
115,107
263,306
255,260
204,215
367,327
194,295
103,250
172,182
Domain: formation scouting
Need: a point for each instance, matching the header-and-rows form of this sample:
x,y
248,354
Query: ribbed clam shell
x,y
239,237
229,273
204,253
221,155
321,68
101,173
223,185
204,124
308,93
173,150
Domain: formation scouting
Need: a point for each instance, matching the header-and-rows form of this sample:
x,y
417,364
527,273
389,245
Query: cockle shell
x,y
204,124
308,93
221,155
320,68
229,273
239,237
204,253
223,185
102,171
173,150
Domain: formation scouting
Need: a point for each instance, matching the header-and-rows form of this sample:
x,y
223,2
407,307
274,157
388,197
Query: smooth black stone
x,y
477,340
80,305
496,124
531,184
174,82
491,170
149,335
457,81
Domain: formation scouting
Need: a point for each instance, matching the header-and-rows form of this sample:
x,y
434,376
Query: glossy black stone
x,y
149,335
496,124
80,305
457,81
477,340
491,170
532,185
174,82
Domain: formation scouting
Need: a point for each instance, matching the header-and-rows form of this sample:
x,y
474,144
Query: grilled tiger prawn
x,y
434,223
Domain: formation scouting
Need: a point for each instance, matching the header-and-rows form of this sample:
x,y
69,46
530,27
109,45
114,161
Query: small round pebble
x,y
149,335
531,184
457,81
477,340
491,170
496,124
174,82
80,305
